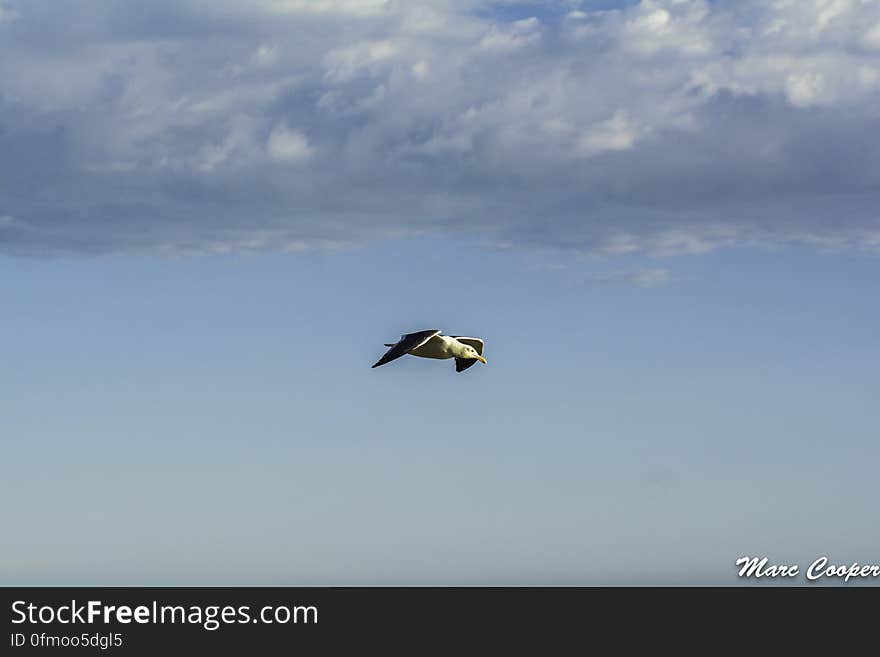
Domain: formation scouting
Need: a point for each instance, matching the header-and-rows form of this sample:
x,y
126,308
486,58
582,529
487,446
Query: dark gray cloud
x,y
665,127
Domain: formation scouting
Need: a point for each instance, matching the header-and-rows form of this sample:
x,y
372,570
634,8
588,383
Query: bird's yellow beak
x,y
482,360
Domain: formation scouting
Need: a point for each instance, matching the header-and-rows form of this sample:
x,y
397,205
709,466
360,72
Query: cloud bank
x,y
665,127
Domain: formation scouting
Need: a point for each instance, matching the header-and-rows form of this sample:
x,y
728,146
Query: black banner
x,y
197,620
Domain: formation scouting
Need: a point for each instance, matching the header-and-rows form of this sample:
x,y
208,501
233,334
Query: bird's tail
x,y
390,344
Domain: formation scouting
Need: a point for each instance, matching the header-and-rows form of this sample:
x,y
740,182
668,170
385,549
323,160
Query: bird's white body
x,y
431,344
441,347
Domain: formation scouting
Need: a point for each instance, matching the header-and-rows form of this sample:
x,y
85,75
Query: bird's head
x,y
470,352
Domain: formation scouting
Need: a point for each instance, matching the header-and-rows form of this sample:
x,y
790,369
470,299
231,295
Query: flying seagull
x,y
430,344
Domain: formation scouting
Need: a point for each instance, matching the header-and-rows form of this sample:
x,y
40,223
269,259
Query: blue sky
x,y
662,219
214,419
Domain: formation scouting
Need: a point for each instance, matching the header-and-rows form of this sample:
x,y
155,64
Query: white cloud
x,y
872,37
664,127
654,27
615,134
635,277
421,69
287,145
343,63
235,147
805,88
683,242
266,55
349,7
517,35
829,10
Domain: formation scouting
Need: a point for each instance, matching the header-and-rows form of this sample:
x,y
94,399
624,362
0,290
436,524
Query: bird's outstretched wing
x,y
461,364
407,342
